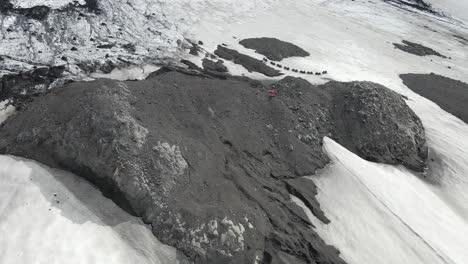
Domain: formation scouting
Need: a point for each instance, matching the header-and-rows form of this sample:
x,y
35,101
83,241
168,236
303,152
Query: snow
x,y
130,73
50,3
454,8
385,214
379,213
5,111
51,216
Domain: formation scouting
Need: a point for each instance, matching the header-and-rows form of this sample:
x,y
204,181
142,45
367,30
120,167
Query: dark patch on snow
x,y
274,49
191,65
106,46
414,4
217,66
461,39
416,49
130,47
92,6
251,64
451,95
40,12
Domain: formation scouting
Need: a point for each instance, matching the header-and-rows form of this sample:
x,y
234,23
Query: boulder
x,y
375,123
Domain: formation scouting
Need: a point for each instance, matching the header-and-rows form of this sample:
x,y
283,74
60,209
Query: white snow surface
x,y
379,213
385,214
129,73
5,111
457,9
50,3
51,216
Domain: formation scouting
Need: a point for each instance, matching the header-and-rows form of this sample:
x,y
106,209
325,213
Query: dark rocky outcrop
x,y
251,64
451,95
211,163
375,123
274,49
416,49
217,66
191,65
41,12
26,84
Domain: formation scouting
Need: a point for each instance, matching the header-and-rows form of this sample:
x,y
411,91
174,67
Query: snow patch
x,y
131,73
5,111
51,216
54,4
385,214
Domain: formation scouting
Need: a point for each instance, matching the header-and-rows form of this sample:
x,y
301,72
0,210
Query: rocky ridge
x,y
211,163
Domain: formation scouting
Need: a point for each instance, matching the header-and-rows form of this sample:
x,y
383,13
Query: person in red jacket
x,y
272,92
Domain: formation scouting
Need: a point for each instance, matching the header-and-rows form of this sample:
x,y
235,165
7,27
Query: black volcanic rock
x,y
251,64
416,49
26,84
210,163
41,12
451,95
375,123
274,49
217,66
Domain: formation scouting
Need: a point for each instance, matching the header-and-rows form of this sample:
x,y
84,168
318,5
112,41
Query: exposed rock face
x,y
416,49
211,163
217,66
376,124
251,64
274,49
14,86
451,95
40,12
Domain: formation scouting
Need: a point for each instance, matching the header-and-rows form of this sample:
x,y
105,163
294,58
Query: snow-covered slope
x,y
386,214
453,8
50,216
380,214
